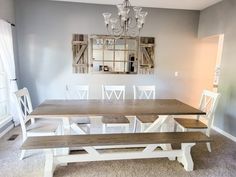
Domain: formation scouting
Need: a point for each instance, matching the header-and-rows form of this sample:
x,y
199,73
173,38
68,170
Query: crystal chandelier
x,y
127,23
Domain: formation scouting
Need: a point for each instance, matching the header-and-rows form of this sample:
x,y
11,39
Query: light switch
x,y
176,74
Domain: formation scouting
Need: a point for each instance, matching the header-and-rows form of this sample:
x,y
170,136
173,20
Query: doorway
x,y
213,48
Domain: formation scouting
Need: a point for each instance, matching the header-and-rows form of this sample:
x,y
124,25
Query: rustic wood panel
x,y
147,53
72,108
80,53
113,139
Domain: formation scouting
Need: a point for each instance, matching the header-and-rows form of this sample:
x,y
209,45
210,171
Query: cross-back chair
x,y
208,104
114,92
79,92
144,92
29,126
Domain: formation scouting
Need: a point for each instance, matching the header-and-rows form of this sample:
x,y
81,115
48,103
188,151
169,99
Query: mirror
x,y
110,55
106,54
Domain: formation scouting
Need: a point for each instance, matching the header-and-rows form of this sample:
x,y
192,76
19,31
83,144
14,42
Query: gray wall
x,y
217,19
7,10
44,31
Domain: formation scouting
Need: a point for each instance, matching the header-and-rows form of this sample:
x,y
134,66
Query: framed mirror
x,y
110,55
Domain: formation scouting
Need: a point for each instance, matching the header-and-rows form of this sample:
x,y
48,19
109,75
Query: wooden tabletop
x,y
71,108
68,141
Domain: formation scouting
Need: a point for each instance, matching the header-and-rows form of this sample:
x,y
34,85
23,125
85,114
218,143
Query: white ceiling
x,y
171,4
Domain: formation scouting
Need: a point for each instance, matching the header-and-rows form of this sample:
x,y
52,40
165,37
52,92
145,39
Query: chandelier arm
x,y
117,33
127,24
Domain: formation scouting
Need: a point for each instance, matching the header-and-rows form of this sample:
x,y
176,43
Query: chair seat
x,y
115,120
43,126
147,118
80,120
191,123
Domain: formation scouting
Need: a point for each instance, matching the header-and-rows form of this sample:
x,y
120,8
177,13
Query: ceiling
x,y
171,4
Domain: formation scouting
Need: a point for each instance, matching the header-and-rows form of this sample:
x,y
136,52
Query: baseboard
x,y
233,138
7,129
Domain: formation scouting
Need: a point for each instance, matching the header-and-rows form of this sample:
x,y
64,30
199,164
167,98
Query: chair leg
x,y
22,154
104,126
208,146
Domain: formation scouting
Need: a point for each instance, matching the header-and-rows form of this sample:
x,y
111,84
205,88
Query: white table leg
x,y
160,125
49,164
156,126
186,158
135,124
66,125
66,131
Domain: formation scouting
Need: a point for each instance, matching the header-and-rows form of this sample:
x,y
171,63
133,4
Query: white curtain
x,y
7,58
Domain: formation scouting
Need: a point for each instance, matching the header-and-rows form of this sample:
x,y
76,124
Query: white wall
x,y
45,28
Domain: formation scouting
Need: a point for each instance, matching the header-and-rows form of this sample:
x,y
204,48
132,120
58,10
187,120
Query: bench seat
x,y
150,142
69,141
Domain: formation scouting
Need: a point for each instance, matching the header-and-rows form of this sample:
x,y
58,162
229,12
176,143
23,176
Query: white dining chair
x,y
114,92
208,104
79,92
33,127
144,92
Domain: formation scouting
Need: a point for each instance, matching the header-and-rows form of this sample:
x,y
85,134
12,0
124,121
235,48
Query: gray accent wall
x,y
218,19
44,32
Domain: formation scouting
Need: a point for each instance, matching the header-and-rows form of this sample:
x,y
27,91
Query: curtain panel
x,y
7,58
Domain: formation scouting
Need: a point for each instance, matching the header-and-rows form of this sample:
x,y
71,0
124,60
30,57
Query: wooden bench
x,y
150,142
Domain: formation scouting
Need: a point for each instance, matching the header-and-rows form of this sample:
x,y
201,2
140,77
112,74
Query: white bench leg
x,y
168,147
186,158
22,154
49,164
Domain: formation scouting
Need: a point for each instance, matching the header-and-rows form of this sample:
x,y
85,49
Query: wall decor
x,y
80,53
147,53
109,55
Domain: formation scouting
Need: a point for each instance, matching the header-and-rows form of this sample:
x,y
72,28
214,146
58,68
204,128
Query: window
x,y
4,95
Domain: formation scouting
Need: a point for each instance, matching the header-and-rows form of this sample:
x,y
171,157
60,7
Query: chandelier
x,y
127,23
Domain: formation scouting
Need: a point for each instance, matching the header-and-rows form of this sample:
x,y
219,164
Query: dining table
x,y
165,109
65,109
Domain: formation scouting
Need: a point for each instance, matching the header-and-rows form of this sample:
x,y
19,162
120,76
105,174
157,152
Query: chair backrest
x,y
24,107
208,104
79,92
116,92
144,92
